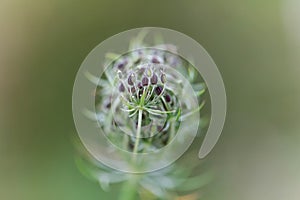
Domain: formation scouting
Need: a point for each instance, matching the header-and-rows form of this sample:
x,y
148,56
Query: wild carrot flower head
x,y
147,104
144,102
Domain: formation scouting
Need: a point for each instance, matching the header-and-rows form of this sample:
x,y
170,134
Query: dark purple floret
x,y
168,98
155,60
140,85
163,78
121,66
132,90
145,81
154,79
121,88
158,90
130,79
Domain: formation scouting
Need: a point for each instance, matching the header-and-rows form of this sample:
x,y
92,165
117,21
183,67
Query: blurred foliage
x,y
169,183
44,42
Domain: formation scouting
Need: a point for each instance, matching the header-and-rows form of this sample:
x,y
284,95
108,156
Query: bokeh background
x,y
256,45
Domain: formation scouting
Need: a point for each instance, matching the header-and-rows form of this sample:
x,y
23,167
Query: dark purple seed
x,y
158,90
121,88
121,66
155,60
163,78
130,79
154,79
132,90
140,85
168,98
145,81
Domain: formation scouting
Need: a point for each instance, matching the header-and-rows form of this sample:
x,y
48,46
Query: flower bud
x,y
154,79
122,65
131,79
139,85
121,88
145,81
132,90
155,60
158,90
163,78
168,98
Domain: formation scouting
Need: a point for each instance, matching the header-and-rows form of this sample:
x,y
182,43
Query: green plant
x,y
141,101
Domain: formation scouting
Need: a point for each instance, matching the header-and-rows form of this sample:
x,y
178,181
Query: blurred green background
x,y
256,45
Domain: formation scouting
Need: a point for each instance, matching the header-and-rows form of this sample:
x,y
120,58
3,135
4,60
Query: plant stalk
x,y
138,132
129,189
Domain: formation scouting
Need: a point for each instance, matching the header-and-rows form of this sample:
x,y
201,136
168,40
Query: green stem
x,y
129,189
138,132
